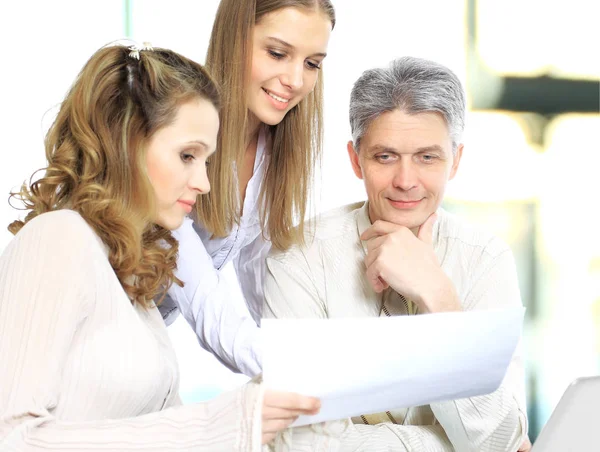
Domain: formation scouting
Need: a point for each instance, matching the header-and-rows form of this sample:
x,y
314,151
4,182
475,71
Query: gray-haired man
x,y
400,254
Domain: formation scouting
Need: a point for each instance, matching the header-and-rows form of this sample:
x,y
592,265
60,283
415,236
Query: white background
x,y
43,44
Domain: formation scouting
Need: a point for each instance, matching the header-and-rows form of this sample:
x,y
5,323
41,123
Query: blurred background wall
x,y
529,171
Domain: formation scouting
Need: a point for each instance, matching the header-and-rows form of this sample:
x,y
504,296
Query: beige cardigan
x,y
327,279
83,369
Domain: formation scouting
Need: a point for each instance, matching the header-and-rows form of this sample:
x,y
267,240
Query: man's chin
x,y
410,220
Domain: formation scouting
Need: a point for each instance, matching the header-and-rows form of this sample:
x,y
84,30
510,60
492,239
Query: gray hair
x,y
413,85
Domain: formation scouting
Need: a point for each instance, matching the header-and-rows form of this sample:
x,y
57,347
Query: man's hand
x,y
408,264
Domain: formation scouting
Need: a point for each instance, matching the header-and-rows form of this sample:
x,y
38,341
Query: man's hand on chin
x,y
407,263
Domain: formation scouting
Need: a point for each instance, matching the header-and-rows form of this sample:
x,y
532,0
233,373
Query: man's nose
x,y
405,177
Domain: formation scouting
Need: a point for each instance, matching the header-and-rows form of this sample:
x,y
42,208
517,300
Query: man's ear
x,y
354,160
456,161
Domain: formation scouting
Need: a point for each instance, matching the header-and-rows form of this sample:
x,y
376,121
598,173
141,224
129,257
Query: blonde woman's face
x,y
288,47
176,161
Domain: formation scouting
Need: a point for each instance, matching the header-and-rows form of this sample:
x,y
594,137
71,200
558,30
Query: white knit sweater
x,y
81,368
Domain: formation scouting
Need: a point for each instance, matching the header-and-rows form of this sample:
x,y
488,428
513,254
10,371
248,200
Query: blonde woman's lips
x,y
280,103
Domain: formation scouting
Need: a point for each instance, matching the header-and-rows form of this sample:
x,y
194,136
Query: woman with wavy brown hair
x,y
268,54
86,360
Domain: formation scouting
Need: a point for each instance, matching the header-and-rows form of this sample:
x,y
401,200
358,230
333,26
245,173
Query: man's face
x,y
405,161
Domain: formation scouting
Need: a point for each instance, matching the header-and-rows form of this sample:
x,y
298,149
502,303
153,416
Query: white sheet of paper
x,y
370,365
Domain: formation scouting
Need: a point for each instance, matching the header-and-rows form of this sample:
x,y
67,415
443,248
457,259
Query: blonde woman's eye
x,y
313,65
276,55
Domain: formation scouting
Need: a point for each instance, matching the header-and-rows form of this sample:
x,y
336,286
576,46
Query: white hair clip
x,y
134,50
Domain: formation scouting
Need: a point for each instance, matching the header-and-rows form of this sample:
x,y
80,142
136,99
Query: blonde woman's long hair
x,y
96,159
296,142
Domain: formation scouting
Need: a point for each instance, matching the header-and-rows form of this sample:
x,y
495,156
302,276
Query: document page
x,y
370,365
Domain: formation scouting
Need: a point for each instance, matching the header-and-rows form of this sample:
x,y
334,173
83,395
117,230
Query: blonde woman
x,y
86,360
268,55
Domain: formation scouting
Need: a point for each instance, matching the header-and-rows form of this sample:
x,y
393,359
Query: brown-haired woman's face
x,y
288,47
176,161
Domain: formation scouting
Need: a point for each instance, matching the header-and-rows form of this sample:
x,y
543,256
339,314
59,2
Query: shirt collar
x,y
363,222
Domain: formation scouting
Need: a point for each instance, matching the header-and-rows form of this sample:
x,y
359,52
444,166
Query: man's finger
x,y
372,254
375,243
378,283
384,285
380,227
425,233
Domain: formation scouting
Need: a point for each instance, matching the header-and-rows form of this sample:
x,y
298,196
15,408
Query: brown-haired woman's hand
x,y
281,409
526,446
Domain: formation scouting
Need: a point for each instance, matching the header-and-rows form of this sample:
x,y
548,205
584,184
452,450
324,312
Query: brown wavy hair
x,y
296,142
96,154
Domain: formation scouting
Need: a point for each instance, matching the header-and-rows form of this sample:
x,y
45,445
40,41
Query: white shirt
x,y
84,369
327,279
224,326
